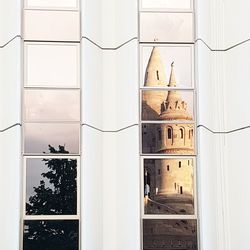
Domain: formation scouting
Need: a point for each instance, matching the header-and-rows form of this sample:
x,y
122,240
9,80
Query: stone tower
x,y
170,180
154,77
177,138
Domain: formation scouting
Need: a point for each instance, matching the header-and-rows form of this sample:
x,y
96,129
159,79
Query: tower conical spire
x,y
155,73
174,107
172,79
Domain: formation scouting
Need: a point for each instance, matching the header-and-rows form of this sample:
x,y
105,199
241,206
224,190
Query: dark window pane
x,y
51,186
169,192
38,137
51,235
169,234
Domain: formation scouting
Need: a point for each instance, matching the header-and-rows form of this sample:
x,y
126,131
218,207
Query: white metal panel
x,y
10,20
51,65
10,193
10,84
112,93
44,25
92,189
109,23
236,186
237,87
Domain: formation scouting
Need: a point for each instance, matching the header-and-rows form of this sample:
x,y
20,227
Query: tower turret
x,y
155,73
154,77
178,138
174,107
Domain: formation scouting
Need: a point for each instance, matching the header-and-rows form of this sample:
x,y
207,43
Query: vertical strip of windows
x,y
167,104
51,125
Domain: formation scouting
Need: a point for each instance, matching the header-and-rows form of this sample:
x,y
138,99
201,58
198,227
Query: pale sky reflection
x,y
52,105
39,135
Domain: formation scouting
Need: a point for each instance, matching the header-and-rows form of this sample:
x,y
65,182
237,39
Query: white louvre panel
x,y
41,25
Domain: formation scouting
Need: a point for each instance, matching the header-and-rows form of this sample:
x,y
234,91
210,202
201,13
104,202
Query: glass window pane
x,y
168,186
170,105
51,65
51,105
39,136
159,61
51,4
51,186
170,234
167,4
51,235
166,27
170,140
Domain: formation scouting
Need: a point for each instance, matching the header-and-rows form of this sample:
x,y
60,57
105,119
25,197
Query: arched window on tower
x,y
190,133
181,133
170,133
159,134
157,74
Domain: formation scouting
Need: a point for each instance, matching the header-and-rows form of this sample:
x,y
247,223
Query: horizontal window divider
x,y
51,88
51,41
52,156
192,89
52,9
174,43
174,157
165,10
165,155
47,121
27,155
52,122
143,122
51,217
169,217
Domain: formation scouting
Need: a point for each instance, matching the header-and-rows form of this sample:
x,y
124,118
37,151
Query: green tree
x,y
59,197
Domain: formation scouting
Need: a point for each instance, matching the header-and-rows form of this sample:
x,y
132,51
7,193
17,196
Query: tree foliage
x,y
55,195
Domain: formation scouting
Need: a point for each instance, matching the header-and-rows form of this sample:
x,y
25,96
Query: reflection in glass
x,y
156,68
51,65
51,185
168,186
167,138
37,137
170,234
51,105
52,4
51,235
167,105
166,27
167,4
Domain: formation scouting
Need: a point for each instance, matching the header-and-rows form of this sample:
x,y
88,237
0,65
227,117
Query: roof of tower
x,y
155,73
172,79
174,108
